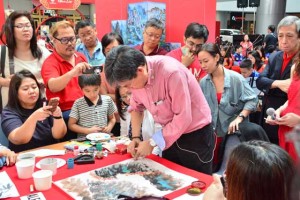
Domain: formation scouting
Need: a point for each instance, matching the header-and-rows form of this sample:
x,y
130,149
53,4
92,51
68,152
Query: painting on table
x,y
7,187
130,178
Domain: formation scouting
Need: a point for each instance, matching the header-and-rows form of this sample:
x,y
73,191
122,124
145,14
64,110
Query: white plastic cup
x,y
26,156
42,180
25,168
49,164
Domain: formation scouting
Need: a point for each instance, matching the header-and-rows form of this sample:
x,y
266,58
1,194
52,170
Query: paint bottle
x,y
76,150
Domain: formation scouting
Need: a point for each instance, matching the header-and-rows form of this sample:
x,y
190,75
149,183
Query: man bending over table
x,y
170,92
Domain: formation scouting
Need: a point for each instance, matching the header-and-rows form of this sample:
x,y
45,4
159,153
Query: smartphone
x,y
97,69
185,51
54,103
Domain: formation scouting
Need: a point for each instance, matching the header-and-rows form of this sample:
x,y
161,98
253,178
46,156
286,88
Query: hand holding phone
x,y
54,103
93,70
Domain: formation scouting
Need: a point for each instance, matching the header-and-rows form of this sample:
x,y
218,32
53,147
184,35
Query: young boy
x,y
92,112
251,75
238,56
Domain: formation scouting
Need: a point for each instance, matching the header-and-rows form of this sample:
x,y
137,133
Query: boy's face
x,y
91,92
239,50
246,72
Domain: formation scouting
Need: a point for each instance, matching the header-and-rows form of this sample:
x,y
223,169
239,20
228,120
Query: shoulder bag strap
x,y
2,63
11,66
3,56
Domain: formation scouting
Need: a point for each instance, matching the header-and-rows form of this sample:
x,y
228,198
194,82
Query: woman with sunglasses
x,y
255,170
22,50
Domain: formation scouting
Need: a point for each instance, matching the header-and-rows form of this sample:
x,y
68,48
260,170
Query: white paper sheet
x,y
47,152
7,187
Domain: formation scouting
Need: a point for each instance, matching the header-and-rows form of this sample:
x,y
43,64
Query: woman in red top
x,y
227,57
289,112
246,45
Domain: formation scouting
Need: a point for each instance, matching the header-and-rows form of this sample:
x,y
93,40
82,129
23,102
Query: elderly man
x,y
152,33
164,87
61,69
194,37
90,46
274,81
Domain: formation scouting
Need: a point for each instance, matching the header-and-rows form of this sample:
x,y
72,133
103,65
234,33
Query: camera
x,y
94,70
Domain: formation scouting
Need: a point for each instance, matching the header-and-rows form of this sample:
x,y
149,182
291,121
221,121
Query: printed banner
x,y
61,4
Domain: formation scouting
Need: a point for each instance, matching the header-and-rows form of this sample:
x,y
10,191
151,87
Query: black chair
x,y
247,131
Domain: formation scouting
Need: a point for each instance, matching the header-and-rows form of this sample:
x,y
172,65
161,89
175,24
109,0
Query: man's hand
x,y
80,68
131,148
283,85
144,149
187,58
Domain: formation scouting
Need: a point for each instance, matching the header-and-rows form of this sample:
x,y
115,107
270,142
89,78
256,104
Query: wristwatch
x,y
152,142
242,116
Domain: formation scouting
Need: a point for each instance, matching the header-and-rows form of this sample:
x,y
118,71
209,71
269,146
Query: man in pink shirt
x,y
167,89
194,37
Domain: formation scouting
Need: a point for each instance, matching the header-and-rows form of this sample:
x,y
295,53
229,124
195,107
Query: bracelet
x,y
136,137
57,117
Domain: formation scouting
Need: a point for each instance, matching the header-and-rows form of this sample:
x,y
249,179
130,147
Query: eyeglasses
x,y
224,184
192,44
66,40
22,26
155,36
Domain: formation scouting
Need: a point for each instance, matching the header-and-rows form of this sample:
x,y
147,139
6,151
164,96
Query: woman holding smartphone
x,y
26,122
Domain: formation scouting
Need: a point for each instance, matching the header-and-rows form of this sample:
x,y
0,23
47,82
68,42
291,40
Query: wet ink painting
x,y
7,187
131,178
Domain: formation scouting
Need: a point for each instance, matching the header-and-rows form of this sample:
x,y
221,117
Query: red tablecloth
x,y
63,172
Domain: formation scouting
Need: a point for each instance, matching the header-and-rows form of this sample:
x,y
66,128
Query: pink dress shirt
x,y
174,98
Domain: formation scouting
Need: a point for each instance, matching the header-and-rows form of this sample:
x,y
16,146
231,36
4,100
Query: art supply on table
x,y
83,146
99,146
31,188
76,150
34,196
70,163
84,159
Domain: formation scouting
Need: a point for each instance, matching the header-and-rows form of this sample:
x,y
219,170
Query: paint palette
x,y
98,136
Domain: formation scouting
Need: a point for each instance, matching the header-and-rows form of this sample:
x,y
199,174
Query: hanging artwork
x,y
130,178
138,14
120,27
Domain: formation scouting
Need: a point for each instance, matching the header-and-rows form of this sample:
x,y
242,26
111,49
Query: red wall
x,y
179,14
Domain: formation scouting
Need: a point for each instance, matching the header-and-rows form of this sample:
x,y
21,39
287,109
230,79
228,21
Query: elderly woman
x,y
25,121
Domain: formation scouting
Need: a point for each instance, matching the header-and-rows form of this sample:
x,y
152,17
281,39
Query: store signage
x,y
235,18
61,4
